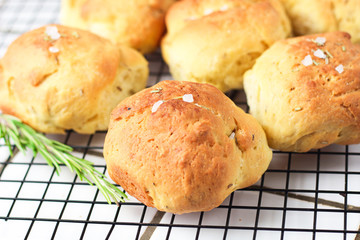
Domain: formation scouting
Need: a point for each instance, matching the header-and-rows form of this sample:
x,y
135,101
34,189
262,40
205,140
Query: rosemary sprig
x,y
55,153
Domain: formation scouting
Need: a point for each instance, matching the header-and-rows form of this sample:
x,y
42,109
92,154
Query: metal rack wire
x,y
314,195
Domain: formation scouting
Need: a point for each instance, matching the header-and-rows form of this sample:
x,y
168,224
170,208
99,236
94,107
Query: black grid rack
x,y
314,195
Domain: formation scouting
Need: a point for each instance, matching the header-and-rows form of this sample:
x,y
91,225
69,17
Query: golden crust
x,y
319,16
304,107
180,158
136,23
74,88
217,41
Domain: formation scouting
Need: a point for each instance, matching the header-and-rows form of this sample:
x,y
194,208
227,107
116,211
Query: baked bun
x,y
217,41
305,92
183,147
135,23
57,78
319,16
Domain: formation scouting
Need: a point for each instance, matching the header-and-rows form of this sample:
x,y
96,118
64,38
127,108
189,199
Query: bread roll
x,y
57,78
183,147
135,23
319,16
217,41
305,92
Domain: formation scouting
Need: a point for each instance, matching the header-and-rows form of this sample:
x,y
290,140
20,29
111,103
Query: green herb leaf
x,y
55,153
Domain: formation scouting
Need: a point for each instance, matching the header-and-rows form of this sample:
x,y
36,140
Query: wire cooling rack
x,y
314,195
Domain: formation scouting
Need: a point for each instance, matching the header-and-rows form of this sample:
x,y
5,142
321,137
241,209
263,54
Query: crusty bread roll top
x,y
135,23
319,16
215,42
183,147
57,78
305,92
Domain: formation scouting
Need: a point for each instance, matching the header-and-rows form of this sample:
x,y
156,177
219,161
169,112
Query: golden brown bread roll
x,y
183,147
319,16
135,23
305,92
57,78
217,41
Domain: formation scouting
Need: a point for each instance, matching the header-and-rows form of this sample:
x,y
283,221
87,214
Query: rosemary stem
x,y
55,154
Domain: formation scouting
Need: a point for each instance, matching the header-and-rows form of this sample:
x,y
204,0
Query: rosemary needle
x,y
55,153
